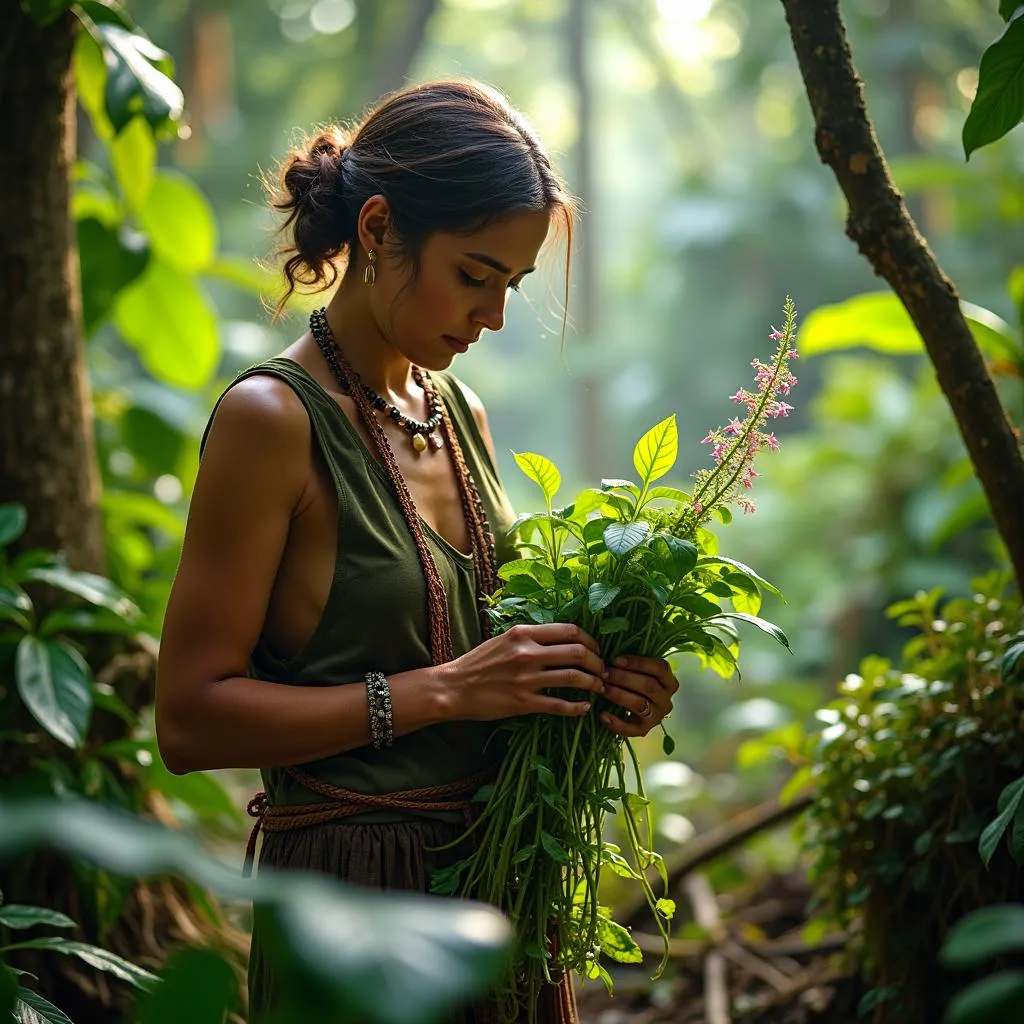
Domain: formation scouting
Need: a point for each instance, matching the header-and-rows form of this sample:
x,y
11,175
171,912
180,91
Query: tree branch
x,y
885,233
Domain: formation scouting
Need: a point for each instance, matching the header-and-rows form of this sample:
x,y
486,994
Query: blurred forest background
x,y
684,127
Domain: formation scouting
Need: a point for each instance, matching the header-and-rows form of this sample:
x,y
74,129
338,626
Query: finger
x,y
544,704
657,668
573,654
570,678
634,702
549,633
643,685
631,729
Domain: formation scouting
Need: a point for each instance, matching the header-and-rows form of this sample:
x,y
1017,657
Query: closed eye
x,y
480,282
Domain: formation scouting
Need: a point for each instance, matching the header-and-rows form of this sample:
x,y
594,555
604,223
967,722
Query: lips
x,y
459,344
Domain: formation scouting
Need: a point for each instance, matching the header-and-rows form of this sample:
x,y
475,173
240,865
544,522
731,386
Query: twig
x,y
754,965
883,230
706,847
716,986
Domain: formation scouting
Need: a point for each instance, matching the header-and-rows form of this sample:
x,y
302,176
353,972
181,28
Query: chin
x,y
436,362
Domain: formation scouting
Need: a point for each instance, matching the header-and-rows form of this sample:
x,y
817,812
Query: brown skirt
x,y
389,857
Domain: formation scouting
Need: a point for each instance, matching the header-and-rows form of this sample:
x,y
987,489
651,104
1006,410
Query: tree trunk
x,y
47,455
882,228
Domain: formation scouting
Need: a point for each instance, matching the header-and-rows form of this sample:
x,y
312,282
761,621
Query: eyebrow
x,y
490,261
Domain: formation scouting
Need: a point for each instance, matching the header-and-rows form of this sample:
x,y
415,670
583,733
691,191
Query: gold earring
x,y
369,272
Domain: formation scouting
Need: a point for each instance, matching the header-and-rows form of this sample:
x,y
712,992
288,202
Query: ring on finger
x,y
647,710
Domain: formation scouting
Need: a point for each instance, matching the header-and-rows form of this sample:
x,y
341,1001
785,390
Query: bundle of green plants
x,y
918,816
638,567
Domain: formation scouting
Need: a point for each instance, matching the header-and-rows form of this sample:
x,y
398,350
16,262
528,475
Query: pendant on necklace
x,y
436,443
419,442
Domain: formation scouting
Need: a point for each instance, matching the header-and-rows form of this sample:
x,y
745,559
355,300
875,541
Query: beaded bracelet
x,y
378,700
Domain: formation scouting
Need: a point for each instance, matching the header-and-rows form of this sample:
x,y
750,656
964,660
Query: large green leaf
x,y
621,538
600,595
998,105
110,259
16,606
763,624
1009,801
656,452
13,520
94,956
984,935
32,1008
97,590
1007,8
541,471
169,319
245,274
180,222
17,915
878,320
196,978
138,79
56,685
361,955
44,12
617,943
996,999
133,157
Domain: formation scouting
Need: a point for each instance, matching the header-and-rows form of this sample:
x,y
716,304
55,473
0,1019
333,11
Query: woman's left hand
x,y
644,687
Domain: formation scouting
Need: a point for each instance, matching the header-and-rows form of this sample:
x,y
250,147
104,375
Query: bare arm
x,y
208,713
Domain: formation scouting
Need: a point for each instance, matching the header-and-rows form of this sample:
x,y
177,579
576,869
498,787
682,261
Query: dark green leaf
x,y
138,79
13,520
15,606
84,620
668,745
621,538
16,915
196,979
44,12
110,259
107,11
94,956
998,104
1007,8
613,625
56,685
763,624
996,999
553,848
524,853
874,998
1017,835
32,1008
984,935
1009,801
1012,664
97,590
600,595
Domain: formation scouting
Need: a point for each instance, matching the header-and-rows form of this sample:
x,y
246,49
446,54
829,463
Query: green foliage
x,y
987,933
911,766
340,952
998,106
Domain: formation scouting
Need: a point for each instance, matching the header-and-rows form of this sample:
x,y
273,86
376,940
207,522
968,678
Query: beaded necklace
x,y
481,538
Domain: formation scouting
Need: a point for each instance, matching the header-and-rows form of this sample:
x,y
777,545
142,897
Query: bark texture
x,y
47,456
883,230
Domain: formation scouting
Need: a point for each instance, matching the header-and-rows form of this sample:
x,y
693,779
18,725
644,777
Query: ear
x,y
372,223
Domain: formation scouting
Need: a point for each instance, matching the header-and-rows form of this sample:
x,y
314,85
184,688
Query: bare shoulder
x,y
476,407
264,404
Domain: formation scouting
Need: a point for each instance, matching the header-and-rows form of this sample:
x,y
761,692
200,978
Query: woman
x,y
325,624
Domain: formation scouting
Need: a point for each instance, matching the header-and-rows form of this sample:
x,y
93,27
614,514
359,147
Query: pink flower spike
x,y
792,354
698,508
779,409
709,438
776,334
772,441
734,427
740,396
746,505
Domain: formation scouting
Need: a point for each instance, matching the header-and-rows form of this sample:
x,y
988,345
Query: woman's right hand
x,y
506,674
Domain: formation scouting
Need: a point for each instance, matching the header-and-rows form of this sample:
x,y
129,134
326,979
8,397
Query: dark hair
x,y
447,156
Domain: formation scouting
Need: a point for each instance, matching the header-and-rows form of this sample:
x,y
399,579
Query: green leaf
x,y
722,560
668,494
180,222
1017,835
244,274
138,79
32,1008
110,259
45,12
879,321
617,943
195,978
621,538
541,471
524,853
84,620
133,157
1007,8
656,452
1009,801
666,907
553,848
97,590
984,935
998,104
763,624
996,999
600,595
106,12
16,607
17,915
875,997
169,319
56,685
94,956
13,520
90,83
613,625
1011,665
668,745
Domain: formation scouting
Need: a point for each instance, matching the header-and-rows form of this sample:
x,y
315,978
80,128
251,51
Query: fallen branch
x,y
716,984
883,230
709,845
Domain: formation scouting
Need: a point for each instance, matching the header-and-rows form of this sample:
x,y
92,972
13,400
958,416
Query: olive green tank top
x,y
375,616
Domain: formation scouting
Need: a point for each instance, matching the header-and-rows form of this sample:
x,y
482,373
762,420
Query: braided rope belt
x,y
343,803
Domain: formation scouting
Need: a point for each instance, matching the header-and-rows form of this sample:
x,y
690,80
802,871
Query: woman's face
x,y
461,289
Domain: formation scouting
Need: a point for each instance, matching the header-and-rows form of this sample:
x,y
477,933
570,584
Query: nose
x,y
491,314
